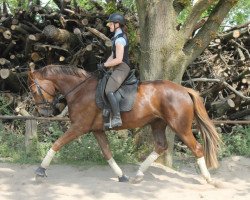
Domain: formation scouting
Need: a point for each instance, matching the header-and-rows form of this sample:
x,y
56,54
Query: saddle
x,y
125,95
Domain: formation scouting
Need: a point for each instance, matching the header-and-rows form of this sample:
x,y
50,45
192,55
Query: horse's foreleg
x,y
158,130
68,136
102,140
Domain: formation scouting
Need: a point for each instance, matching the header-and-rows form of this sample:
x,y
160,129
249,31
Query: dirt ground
x,y
98,182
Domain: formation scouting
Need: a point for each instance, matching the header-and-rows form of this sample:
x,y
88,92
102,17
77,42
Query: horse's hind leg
x,y
186,135
102,140
158,131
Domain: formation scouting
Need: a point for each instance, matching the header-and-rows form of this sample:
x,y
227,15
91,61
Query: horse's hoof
x,y
137,179
124,178
40,172
216,184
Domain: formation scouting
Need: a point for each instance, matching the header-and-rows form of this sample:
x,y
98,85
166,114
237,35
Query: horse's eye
x,y
34,92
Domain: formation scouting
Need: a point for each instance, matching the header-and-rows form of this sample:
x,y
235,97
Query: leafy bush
x,y
84,149
13,148
237,142
4,106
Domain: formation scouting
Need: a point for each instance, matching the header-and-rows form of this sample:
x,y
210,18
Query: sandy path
x,y
98,182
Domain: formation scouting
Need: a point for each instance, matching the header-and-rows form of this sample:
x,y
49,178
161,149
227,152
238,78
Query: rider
x,y
118,62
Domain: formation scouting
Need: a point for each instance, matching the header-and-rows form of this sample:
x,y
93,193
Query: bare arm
x,y
111,62
110,57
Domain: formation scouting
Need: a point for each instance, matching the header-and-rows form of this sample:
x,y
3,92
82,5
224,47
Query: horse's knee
x,y
57,145
160,147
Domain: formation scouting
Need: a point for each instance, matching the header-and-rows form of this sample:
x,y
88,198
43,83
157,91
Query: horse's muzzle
x,y
45,112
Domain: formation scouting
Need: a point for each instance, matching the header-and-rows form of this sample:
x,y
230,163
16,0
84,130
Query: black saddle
x,y
125,95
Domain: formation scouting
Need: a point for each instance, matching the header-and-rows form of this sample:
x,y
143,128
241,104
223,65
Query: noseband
x,y
55,100
44,101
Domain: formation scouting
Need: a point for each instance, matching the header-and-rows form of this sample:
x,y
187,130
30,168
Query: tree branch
x,y
238,27
194,16
219,81
196,45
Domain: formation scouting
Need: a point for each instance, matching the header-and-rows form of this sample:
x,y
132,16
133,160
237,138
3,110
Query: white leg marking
x,y
146,163
115,167
204,171
46,161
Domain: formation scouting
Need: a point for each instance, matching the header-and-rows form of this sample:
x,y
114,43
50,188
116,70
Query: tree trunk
x,y
166,50
160,56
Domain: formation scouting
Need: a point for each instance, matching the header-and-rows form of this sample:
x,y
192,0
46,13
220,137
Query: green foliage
x,y
13,4
130,4
122,147
110,8
143,151
54,132
183,15
4,106
86,4
239,14
13,149
86,150
237,142
83,150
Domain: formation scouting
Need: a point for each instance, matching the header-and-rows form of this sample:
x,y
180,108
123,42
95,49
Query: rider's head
x,y
115,21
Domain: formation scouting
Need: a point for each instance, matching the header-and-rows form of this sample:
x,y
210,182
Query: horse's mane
x,y
62,70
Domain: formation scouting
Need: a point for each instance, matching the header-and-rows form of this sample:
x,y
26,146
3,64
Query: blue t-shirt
x,y
119,40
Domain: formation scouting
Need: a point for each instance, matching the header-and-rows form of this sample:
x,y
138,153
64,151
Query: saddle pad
x,y
125,95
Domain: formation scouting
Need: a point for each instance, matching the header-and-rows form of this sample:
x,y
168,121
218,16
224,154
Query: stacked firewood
x,y
41,36
222,74
71,35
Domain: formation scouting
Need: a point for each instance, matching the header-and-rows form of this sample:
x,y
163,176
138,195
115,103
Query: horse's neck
x,y
62,83
70,85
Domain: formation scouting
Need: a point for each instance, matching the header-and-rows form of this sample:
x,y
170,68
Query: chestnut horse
x,y
158,103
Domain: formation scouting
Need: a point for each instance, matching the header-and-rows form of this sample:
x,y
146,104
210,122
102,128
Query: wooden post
x,y
30,134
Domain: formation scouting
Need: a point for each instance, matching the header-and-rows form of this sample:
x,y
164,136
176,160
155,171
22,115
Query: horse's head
x,y
43,92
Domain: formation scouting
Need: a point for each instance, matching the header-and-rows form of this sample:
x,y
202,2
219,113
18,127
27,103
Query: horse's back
x,y
160,98
163,88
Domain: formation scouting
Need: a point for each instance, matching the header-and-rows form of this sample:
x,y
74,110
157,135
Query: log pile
x,y
222,74
41,36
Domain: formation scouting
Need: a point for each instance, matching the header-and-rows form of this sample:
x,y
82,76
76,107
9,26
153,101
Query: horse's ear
x,y
32,68
30,74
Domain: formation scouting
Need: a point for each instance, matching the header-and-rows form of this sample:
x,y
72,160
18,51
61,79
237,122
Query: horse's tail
x,y
209,134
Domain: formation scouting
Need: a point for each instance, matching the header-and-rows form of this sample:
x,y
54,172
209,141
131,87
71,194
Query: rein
x,y
91,75
56,99
67,93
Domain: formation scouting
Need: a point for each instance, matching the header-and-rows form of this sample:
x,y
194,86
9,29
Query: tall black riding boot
x,y
116,119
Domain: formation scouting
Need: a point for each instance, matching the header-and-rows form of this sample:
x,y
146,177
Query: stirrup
x,y
116,121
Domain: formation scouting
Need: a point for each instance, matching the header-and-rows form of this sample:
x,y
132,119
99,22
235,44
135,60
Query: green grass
x,y
85,149
82,150
237,142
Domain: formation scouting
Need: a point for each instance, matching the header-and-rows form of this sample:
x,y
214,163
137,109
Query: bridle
x,y
55,99
44,102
